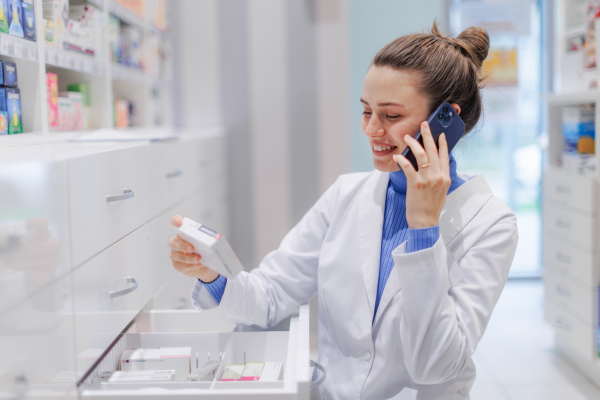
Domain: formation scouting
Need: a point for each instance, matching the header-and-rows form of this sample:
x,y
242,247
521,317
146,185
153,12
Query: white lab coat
x,y
435,307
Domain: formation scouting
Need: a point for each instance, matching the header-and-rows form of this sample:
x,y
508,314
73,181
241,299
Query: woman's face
x,y
393,108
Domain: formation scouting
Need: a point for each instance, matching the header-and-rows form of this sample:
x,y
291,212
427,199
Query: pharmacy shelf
x,y
73,61
572,98
17,47
128,74
125,15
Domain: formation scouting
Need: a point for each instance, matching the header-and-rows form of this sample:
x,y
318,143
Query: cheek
x,y
363,124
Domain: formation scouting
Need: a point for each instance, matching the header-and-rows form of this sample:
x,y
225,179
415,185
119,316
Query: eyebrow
x,y
389,103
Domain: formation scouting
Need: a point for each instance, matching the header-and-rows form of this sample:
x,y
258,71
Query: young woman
x,y
408,264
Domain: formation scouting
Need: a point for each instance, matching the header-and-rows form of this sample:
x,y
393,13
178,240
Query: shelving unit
x,y
107,80
571,218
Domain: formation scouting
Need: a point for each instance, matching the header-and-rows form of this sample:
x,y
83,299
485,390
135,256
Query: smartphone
x,y
442,120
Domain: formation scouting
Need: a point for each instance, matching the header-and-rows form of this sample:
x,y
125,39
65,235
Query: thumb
x,y
176,221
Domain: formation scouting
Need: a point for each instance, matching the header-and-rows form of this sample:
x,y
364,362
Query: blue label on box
x,y
13,105
28,20
15,18
10,74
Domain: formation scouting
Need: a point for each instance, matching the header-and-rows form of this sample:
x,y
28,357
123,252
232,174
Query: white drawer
x,y
575,190
580,265
34,229
173,172
290,347
579,299
571,334
212,159
36,344
101,213
100,316
574,227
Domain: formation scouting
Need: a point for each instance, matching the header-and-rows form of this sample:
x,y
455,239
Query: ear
x,y
456,108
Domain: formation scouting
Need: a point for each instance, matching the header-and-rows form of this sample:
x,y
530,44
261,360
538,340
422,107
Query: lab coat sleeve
x,y
442,324
286,277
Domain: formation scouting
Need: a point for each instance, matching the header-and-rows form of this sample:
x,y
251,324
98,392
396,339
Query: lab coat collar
x,y
461,206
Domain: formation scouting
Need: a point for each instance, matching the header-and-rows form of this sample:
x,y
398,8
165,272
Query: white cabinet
x,y
84,230
109,197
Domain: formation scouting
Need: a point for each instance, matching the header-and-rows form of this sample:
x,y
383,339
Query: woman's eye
x,y
392,116
367,113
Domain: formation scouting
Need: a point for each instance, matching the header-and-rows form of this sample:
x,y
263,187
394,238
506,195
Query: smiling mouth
x,y
383,148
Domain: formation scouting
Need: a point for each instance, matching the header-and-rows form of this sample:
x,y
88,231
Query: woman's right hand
x,y
187,262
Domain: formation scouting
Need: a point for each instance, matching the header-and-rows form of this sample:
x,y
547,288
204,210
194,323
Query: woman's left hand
x,y
428,187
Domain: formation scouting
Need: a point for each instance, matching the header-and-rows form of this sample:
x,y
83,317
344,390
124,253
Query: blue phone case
x,y
442,120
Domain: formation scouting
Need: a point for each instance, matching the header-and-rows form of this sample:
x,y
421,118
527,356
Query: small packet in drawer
x,y
233,372
252,371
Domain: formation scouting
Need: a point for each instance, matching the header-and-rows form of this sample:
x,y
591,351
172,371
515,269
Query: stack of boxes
x,y
10,100
73,27
70,110
17,17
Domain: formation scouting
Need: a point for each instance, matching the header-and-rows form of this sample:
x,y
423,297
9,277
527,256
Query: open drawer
x,y
290,347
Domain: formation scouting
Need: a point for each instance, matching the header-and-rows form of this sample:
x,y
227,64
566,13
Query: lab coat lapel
x,y
370,221
461,206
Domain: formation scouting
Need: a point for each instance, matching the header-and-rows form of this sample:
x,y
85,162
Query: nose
x,y
374,128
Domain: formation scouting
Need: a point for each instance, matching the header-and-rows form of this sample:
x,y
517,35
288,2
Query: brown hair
x,y
450,68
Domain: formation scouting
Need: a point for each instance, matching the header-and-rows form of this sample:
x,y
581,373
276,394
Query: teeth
x,y
382,148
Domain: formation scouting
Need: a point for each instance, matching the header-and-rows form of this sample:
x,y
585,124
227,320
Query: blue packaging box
x,y
3,113
13,105
15,18
1,73
28,20
9,70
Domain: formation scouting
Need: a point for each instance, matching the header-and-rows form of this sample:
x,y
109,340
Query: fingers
x,y
406,166
417,150
444,156
430,147
177,243
176,221
185,258
187,268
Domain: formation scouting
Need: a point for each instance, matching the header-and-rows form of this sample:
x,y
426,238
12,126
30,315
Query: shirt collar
x,y
398,179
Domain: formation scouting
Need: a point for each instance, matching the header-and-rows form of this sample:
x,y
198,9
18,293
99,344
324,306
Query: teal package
x,y
13,106
4,16
28,20
15,16
9,70
3,113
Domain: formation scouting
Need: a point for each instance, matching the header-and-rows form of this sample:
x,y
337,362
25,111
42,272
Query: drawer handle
x,y
562,325
562,257
562,292
109,287
323,374
563,189
174,174
563,224
120,195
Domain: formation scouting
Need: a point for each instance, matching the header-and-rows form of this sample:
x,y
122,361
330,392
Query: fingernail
x,y
406,136
188,249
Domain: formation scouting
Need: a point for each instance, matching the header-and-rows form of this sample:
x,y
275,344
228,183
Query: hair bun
x,y
475,43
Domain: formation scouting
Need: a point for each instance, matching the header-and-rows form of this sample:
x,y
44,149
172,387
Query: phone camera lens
x,y
447,118
440,116
445,109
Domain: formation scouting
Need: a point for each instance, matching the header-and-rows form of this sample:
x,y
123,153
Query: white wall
x,y
275,74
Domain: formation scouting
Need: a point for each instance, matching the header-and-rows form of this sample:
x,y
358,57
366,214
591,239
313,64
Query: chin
x,y
387,165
